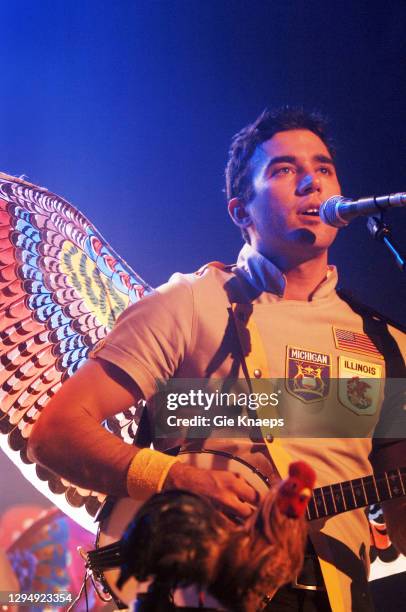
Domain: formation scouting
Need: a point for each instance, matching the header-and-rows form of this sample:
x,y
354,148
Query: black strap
x,y
143,436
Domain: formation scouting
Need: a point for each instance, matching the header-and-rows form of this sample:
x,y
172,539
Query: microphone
x,y
339,211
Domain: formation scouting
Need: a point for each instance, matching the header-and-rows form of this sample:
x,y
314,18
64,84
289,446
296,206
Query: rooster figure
x,y
178,539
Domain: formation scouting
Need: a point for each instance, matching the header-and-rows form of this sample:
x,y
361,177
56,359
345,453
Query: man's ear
x,y
239,213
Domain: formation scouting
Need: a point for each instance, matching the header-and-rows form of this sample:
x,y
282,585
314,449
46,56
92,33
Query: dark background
x,y
126,108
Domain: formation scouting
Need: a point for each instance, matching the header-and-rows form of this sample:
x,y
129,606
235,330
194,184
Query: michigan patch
x,y
359,384
308,374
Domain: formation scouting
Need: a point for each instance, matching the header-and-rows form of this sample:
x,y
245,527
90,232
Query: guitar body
x,y
114,522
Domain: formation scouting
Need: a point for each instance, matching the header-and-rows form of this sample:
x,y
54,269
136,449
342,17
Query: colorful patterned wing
x,y
61,289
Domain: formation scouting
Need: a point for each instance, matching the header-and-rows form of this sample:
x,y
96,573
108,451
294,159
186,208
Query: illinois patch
x,y
359,384
308,374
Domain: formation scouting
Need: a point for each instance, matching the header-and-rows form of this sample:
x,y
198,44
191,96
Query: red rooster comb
x,y
294,493
302,470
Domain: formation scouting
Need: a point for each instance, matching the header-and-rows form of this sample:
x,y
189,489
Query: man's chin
x,y
304,245
303,236
316,239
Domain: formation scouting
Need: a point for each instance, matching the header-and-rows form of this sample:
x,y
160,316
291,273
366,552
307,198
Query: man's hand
x,y
229,491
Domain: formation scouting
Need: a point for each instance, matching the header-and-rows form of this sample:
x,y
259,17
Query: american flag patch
x,y
356,342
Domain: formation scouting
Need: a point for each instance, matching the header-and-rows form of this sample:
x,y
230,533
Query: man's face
x,y
293,173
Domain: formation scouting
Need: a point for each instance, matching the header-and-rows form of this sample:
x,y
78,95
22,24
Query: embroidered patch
x,y
307,374
355,342
359,384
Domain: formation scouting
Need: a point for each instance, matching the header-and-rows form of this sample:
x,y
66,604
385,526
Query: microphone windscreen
x,y
329,214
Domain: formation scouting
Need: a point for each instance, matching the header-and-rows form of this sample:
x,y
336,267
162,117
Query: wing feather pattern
x,y
61,289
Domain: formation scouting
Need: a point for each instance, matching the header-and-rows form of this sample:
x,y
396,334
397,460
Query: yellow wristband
x,y
147,472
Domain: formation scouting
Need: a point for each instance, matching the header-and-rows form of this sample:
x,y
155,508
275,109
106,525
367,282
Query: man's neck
x,y
303,279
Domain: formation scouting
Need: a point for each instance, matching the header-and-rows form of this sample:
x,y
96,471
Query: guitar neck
x,y
351,494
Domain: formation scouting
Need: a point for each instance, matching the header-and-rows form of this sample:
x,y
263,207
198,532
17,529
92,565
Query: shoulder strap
x,y
376,327
367,311
143,436
255,367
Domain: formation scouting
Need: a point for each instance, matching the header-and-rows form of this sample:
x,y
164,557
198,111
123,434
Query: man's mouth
x,y
312,211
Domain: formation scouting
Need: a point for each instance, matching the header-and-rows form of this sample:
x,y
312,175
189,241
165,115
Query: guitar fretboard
x,y
352,494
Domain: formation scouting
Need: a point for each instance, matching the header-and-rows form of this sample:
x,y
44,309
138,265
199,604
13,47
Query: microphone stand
x,y
382,232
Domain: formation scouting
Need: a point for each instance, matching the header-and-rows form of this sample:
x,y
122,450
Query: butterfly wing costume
x,y
61,289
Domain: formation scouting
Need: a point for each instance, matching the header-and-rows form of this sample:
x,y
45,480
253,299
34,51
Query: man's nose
x,y
309,183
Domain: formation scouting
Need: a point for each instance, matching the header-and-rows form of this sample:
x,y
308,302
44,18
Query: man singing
x,y
273,314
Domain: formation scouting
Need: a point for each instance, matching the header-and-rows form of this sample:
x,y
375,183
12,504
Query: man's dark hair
x,y
238,169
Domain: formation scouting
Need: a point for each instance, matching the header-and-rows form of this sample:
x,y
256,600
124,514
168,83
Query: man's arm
x,y
70,440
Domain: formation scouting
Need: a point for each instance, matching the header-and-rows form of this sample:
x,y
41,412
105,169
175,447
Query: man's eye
x,y
325,170
282,170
